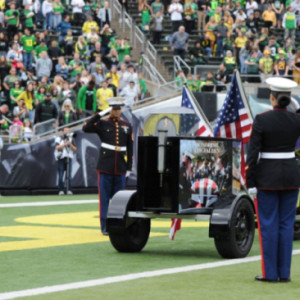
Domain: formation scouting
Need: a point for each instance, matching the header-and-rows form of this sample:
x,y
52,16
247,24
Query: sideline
x,y
122,278
47,203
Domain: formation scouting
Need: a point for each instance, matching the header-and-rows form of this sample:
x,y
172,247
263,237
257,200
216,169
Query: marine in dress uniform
x,y
115,157
272,172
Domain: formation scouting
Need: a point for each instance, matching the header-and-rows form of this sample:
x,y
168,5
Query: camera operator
x,y
64,152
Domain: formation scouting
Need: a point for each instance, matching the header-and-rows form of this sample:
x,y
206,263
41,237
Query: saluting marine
x,y
115,157
272,172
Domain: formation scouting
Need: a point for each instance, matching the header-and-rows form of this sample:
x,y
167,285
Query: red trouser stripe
x,y
98,172
260,239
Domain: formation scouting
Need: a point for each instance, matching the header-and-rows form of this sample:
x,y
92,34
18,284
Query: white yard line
x,y
128,277
47,203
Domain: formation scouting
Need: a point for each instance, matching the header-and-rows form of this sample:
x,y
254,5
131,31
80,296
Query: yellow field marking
x,y
45,236
91,219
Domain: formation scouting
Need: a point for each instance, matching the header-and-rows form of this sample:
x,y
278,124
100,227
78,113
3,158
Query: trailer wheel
x,y
239,241
133,238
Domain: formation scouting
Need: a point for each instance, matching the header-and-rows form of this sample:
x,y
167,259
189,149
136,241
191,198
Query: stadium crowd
x,y
62,59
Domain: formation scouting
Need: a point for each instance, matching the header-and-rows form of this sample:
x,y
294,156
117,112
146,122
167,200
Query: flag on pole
x,y
202,127
235,119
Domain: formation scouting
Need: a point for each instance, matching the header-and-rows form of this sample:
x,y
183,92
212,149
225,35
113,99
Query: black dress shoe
x,y
260,278
104,233
284,280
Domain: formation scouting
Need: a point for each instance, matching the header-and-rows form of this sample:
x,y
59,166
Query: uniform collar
x,y
277,107
113,119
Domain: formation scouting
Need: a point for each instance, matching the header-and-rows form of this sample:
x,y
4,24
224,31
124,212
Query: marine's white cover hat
x,y
115,102
280,84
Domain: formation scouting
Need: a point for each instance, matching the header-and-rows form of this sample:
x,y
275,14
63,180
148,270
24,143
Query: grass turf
x,y
32,268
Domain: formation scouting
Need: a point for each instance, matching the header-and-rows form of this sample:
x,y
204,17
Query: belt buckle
x,y
117,148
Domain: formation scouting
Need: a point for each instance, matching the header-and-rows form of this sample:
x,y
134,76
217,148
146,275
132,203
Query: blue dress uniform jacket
x,y
276,176
114,132
273,131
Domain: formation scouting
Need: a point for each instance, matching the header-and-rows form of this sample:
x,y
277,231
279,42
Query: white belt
x,y
113,147
277,155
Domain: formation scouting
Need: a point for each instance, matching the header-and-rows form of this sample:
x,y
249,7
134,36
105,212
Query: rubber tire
x,y
133,238
238,242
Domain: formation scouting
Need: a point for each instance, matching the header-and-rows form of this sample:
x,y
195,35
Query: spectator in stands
x,y
104,15
84,77
228,21
296,67
273,46
269,17
240,16
62,68
106,34
196,54
87,99
209,31
124,48
96,52
205,44
278,7
54,53
243,55
146,12
156,26
39,48
266,65
239,43
14,56
67,113
295,5
130,75
69,43
57,82
96,64
201,14
40,94
62,28
3,111
103,93
189,17
28,97
252,63
28,76
9,83
220,33
76,66
45,110
77,9
81,48
15,92
229,62
47,9
99,75
58,10
112,86
111,59
179,78
281,66
142,86
88,25
175,10
27,131
130,93
251,6
12,19
222,76
289,24
21,110
67,93
93,36
179,42
43,66
3,44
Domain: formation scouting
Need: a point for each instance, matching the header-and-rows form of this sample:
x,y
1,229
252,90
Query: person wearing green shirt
x,y
39,94
11,17
157,6
76,65
58,10
123,49
28,41
28,22
15,92
39,48
143,86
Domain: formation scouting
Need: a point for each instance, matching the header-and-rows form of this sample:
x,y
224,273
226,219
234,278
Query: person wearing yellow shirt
x,y
114,75
240,42
28,97
88,25
103,94
269,16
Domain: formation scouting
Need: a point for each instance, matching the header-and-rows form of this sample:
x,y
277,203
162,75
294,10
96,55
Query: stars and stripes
x,y
202,127
235,120
203,189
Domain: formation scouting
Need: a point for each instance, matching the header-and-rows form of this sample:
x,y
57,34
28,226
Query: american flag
x,y
202,127
235,119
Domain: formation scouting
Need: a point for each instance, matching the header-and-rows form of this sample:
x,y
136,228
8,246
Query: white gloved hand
x,y
294,104
104,112
127,173
252,192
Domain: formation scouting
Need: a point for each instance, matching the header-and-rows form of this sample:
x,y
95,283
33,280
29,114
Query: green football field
x,y
54,250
